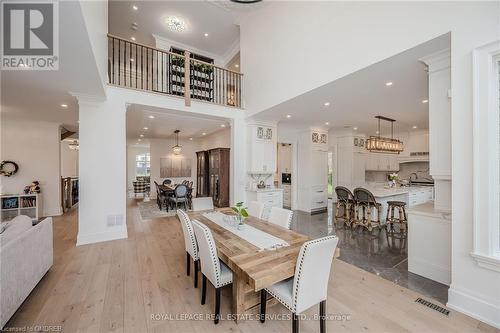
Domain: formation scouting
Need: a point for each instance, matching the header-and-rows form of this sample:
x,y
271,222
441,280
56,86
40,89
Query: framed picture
x,y
175,167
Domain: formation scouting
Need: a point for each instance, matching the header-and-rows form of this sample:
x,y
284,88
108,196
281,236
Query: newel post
x,y
187,77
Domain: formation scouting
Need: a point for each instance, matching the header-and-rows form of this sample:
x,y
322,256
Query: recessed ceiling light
x,y
64,106
133,38
377,132
190,139
206,34
237,66
134,7
142,135
327,123
326,104
388,83
139,140
355,128
414,127
222,125
151,117
145,128
131,59
203,133
289,116
176,23
425,101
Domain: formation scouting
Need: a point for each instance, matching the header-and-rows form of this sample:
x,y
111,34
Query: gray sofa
x,y
26,254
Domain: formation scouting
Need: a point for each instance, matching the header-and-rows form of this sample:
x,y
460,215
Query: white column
x,y
238,159
440,126
102,167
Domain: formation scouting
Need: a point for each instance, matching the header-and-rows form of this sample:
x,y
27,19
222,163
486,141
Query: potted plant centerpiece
x,y
393,177
242,213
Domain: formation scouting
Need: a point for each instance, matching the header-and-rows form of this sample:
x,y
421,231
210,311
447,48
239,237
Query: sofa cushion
x,y
15,228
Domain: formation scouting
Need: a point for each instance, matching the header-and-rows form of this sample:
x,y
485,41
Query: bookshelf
x,y
12,205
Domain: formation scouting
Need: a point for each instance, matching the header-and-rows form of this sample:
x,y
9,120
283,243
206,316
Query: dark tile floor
x,y
375,252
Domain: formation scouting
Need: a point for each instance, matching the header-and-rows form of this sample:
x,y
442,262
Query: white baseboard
x,y
470,304
429,270
116,233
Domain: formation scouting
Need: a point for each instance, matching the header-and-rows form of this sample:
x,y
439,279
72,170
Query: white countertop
x,y
271,189
427,209
379,191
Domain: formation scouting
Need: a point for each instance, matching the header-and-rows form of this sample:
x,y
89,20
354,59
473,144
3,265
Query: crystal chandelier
x,y
177,149
176,23
384,145
74,145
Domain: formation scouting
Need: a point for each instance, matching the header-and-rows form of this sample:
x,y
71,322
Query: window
x,y
486,145
142,165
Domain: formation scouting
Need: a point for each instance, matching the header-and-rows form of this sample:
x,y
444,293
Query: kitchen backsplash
x,y
405,170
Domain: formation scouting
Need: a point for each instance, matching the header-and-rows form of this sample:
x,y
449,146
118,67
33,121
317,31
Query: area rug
x,y
149,210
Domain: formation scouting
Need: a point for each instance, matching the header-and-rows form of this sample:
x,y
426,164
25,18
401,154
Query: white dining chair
x,y
309,286
190,244
211,267
280,216
255,209
205,203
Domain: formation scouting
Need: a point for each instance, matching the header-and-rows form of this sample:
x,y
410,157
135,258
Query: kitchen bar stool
x,y
345,205
365,201
402,221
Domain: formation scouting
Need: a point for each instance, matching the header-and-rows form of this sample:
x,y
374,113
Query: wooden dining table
x,y
253,269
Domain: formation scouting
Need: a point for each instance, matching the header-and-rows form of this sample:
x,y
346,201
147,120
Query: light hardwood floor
x,y
116,286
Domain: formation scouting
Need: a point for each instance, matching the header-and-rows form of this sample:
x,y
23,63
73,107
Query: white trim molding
x,y
473,305
486,150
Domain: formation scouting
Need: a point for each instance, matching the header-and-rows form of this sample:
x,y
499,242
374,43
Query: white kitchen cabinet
x,y
312,178
358,168
269,197
382,162
420,195
262,149
287,196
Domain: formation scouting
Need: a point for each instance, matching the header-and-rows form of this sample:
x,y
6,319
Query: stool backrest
x,y
343,194
363,196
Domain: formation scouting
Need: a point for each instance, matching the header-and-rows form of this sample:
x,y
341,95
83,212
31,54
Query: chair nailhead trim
x,y
299,273
184,218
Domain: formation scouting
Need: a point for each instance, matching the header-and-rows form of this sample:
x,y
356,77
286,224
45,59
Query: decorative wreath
x,y
13,169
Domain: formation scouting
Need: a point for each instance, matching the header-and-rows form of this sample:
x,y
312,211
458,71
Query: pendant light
x,y
177,148
379,144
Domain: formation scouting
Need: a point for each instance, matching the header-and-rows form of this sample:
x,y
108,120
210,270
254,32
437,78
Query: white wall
x,y
34,146
161,148
219,139
69,160
334,39
132,152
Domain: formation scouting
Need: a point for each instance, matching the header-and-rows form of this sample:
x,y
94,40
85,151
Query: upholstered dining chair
x,y
204,203
167,182
180,196
255,209
280,216
190,244
161,198
309,286
211,267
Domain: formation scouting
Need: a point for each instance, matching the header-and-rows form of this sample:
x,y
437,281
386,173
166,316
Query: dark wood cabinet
x,y
202,176
218,170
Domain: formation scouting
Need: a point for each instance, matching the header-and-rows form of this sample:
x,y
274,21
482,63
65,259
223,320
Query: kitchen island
x,y
412,195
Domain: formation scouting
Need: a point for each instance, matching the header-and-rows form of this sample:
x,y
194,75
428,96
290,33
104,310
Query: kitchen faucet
x,y
416,176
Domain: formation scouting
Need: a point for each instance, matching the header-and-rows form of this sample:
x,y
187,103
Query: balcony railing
x,y
137,66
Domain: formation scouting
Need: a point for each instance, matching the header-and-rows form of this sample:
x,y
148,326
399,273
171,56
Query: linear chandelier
x,y
177,148
381,144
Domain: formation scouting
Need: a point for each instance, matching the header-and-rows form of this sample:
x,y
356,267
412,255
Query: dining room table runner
x,y
254,236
